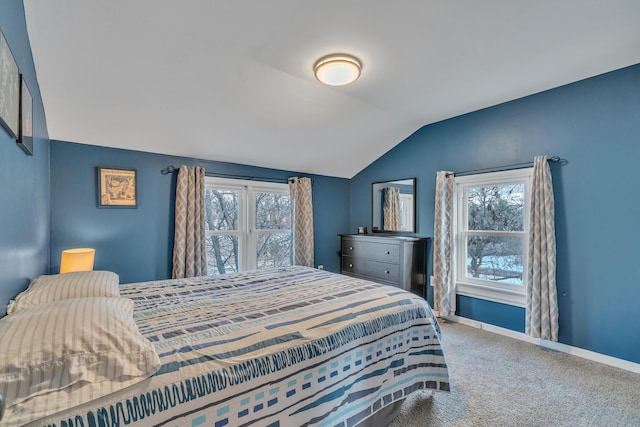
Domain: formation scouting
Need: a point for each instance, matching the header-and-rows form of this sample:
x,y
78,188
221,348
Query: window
x,y
247,225
491,235
406,211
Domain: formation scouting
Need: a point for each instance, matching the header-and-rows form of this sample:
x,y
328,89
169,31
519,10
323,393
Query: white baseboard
x,y
563,348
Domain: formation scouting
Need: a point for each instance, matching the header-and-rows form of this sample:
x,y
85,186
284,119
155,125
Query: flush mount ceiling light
x,y
337,69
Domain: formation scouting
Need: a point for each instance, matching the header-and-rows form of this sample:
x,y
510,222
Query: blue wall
x,y
138,243
24,188
595,125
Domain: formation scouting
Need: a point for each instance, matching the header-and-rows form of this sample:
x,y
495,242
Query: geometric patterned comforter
x,y
283,347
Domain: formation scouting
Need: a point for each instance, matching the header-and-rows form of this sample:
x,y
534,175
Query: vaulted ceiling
x,y
233,80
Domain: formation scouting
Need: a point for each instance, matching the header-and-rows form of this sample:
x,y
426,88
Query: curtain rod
x,y
554,159
170,169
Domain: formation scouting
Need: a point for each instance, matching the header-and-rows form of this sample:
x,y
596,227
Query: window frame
x,y
247,234
264,187
480,288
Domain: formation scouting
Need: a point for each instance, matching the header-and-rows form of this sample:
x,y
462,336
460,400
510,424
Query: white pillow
x,y
56,355
79,284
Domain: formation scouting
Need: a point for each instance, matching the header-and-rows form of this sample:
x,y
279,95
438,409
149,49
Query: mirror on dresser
x,y
393,208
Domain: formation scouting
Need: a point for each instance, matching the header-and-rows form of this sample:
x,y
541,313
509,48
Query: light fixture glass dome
x,y
337,69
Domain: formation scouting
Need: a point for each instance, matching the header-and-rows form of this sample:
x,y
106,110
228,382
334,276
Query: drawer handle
x,y
387,271
350,248
388,252
350,265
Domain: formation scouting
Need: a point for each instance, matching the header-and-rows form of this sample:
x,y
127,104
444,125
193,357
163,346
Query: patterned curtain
x,y
189,257
302,221
542,299
444,295
391,209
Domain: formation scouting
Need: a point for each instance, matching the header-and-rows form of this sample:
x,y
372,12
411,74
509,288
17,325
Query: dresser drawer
x,y
385,252
375,270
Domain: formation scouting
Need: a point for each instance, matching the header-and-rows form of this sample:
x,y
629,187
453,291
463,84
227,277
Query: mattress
x,y
289,346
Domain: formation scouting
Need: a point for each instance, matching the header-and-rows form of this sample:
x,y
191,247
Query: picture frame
x,y
9,89
117,187
25,138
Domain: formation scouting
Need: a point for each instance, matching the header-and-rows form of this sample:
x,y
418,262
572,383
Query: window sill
x,y
488,293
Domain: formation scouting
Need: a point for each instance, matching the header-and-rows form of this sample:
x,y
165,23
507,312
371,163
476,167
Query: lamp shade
x,y
78,259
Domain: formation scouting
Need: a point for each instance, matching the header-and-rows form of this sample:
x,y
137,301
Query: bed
x,y
283,347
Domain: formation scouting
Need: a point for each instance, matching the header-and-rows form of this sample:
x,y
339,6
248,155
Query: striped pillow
x,y
79,284
68,352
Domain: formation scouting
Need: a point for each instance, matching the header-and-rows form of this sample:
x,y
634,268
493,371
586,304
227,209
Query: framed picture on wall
x,y
9,90
117,188
25,139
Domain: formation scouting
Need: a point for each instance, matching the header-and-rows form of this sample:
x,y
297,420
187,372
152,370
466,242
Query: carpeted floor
x,y
499,381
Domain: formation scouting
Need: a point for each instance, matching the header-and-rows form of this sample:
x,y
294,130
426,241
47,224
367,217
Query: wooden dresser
x,y
388,259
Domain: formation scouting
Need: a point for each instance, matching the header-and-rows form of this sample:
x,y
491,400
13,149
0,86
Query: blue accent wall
x,y
595,125
24,180
137,244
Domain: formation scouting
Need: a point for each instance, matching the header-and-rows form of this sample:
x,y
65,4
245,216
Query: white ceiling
x,y
233,81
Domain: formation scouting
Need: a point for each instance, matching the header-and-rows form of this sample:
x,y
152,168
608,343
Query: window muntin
x,y
492,234
247,225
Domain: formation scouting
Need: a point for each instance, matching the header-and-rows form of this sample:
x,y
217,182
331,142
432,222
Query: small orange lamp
x,y
79,259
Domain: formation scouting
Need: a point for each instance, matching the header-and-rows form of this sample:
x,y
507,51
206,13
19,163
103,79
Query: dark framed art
x,y
25,139
9,89
117,188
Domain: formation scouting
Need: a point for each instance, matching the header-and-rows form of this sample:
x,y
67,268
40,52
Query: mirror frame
x,y
374,229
